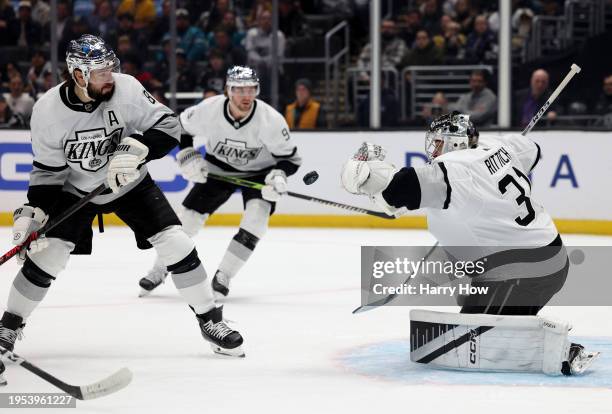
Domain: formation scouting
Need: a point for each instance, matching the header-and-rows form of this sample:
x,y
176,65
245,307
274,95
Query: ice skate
x,y
223,339
220,285
153,279
579,360
10,330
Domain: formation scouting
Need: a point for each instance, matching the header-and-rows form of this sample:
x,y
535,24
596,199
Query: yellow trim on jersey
x,y
602,227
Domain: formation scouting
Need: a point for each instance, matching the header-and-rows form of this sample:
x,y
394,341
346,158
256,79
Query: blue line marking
x,y
391,361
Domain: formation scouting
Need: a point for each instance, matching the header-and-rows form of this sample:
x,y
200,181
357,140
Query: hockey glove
x,y
26,220
276,186
123,168
192,165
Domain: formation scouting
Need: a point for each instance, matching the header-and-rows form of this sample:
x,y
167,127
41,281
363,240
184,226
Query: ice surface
x,y
305,350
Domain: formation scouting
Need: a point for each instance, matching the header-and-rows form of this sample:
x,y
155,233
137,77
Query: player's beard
x,y
98,95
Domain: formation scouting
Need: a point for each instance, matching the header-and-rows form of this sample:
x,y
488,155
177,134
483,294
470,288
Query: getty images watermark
x,y
422,275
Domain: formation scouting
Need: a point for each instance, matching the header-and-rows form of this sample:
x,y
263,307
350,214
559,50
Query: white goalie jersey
x,y
73,142
482,196
246,147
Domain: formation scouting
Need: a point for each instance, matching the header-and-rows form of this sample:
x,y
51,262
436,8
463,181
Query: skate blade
x,y
144,293
237,352
3,381
585,363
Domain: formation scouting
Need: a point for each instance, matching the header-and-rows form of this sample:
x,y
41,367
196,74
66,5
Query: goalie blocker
x,y
497,343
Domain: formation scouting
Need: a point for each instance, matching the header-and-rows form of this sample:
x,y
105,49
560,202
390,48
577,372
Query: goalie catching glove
x,y
123,168
27,220
192,165
367,173
276,186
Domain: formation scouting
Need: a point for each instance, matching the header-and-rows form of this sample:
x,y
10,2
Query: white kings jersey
x,y
73,142
482,196
246,147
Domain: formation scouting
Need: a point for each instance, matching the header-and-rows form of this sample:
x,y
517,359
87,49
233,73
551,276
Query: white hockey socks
x,y
253,227
488,342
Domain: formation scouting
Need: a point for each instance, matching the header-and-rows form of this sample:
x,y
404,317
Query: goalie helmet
x,y
240,77
450,132
89,54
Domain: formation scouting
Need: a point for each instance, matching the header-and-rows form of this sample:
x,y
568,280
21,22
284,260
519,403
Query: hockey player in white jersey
x,y
244,137
479,194
102,126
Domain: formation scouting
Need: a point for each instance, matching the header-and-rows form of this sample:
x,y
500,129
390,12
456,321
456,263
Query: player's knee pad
x,y
49,262
256,216
192,220
488,342
172,245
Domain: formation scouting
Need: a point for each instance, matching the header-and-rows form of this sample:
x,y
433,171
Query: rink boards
x,y
571,180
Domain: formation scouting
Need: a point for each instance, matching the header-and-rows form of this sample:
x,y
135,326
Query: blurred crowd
x,y
215,34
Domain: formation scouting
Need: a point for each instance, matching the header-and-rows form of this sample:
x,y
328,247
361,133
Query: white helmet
x,y
450,132
241,76
89,53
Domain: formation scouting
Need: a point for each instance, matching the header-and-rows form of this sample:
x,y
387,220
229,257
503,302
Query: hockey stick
x,y
573,71
384,301
15,250
108,385
259,186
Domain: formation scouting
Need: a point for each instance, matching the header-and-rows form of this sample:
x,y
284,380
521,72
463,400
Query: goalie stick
x,y
108,385
385,300
259,186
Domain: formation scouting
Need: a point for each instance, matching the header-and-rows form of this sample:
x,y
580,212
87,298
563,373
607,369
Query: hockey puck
x,y
311,177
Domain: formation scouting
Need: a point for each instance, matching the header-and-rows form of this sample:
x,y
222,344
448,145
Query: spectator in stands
x,y
454,42
84,8
432,12
10,69
290,18
528,101
214,77
143,12
7,118
258,7
521,28
604,103
437,107
424,53
132,65
64,13
305,112
410,24
7,14
480,103
481,43
234,55
186,78
215,18
36,73
162,24
20,102
23,31
103,20
234,27
191,39
41,12
393,49
259,50
465,15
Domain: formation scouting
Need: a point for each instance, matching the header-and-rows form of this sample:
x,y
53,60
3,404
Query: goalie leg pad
x,y
488,342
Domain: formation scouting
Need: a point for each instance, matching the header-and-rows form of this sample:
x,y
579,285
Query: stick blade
x,y
109,385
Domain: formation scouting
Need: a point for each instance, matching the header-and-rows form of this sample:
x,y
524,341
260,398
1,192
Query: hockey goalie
x,y
478,193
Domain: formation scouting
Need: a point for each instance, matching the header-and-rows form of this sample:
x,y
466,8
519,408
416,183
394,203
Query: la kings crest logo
x,y
236,152
92,148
